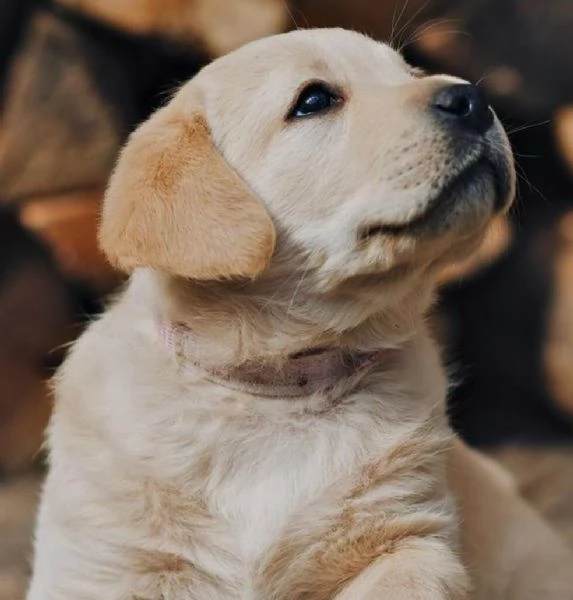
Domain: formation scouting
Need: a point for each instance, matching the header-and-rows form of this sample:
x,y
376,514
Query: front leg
x,y
93,546
419,569
116,573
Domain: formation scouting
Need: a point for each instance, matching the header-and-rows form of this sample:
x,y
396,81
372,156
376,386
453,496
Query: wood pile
x,y
76,76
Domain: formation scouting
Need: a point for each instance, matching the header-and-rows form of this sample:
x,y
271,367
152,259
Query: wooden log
x,y
558,343
58,129
68,225
13,17
391,20
218,26
36,316
564,133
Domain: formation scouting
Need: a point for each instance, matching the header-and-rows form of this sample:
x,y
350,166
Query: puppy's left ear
x,y
174,204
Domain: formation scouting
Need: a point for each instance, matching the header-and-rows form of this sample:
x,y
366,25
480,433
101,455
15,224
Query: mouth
x,y
465,193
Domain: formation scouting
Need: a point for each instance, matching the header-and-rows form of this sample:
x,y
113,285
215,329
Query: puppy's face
x,y
367,170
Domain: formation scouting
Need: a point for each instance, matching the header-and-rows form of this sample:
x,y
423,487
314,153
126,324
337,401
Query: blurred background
x,y
76,76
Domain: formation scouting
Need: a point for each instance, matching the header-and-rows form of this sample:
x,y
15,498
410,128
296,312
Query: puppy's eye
x,y
314,99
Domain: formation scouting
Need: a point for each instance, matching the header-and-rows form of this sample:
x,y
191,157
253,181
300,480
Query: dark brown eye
x,y
314,99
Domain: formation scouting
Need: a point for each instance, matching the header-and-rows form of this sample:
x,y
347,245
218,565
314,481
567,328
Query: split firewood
x,y
13,17
394,21
217,26
58,129
564,132
68,224
558,346
36,316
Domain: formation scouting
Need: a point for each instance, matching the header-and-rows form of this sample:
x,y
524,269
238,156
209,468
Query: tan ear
x,y
174,204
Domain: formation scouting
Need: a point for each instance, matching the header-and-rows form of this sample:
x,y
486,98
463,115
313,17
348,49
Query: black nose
x,y
464,106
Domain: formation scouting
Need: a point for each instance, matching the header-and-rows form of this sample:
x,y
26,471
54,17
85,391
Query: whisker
x,y
532,188
425,27
410,20
290,13
486,75
521,155
396,19
448,32
528,126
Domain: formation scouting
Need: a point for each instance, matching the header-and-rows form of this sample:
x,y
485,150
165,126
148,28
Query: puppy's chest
x,y
272,505
234,522
265,490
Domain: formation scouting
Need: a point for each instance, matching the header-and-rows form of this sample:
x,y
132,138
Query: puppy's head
x,y
318,152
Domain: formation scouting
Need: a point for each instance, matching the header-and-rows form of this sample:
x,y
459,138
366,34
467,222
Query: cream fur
x,y
165,486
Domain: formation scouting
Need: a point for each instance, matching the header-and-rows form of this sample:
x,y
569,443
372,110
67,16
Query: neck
x,y
234,323
316,371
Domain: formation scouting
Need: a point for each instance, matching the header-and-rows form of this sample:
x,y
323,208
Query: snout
x,y
457,169
472,177
479,149
475,141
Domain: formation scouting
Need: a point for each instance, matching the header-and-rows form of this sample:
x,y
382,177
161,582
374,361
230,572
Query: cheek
x,y
305,176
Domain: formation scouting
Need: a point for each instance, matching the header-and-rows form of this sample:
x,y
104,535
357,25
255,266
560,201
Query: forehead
x,y
285,61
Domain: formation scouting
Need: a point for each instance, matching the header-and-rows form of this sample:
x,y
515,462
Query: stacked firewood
x,y
77,75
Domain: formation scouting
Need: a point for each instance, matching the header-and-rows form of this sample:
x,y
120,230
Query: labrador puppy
x,y
260,415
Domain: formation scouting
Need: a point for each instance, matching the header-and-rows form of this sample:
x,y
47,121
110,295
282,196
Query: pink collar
x,y
307,373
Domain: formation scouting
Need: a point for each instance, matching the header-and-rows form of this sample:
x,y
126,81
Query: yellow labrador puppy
x,y
260,416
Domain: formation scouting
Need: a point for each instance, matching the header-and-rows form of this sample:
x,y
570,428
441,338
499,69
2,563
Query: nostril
x,y
464,105
456,104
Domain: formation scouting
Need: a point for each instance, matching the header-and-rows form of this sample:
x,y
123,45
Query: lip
x,y
480,170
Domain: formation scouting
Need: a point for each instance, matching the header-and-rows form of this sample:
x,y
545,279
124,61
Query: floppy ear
x,y
174,204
